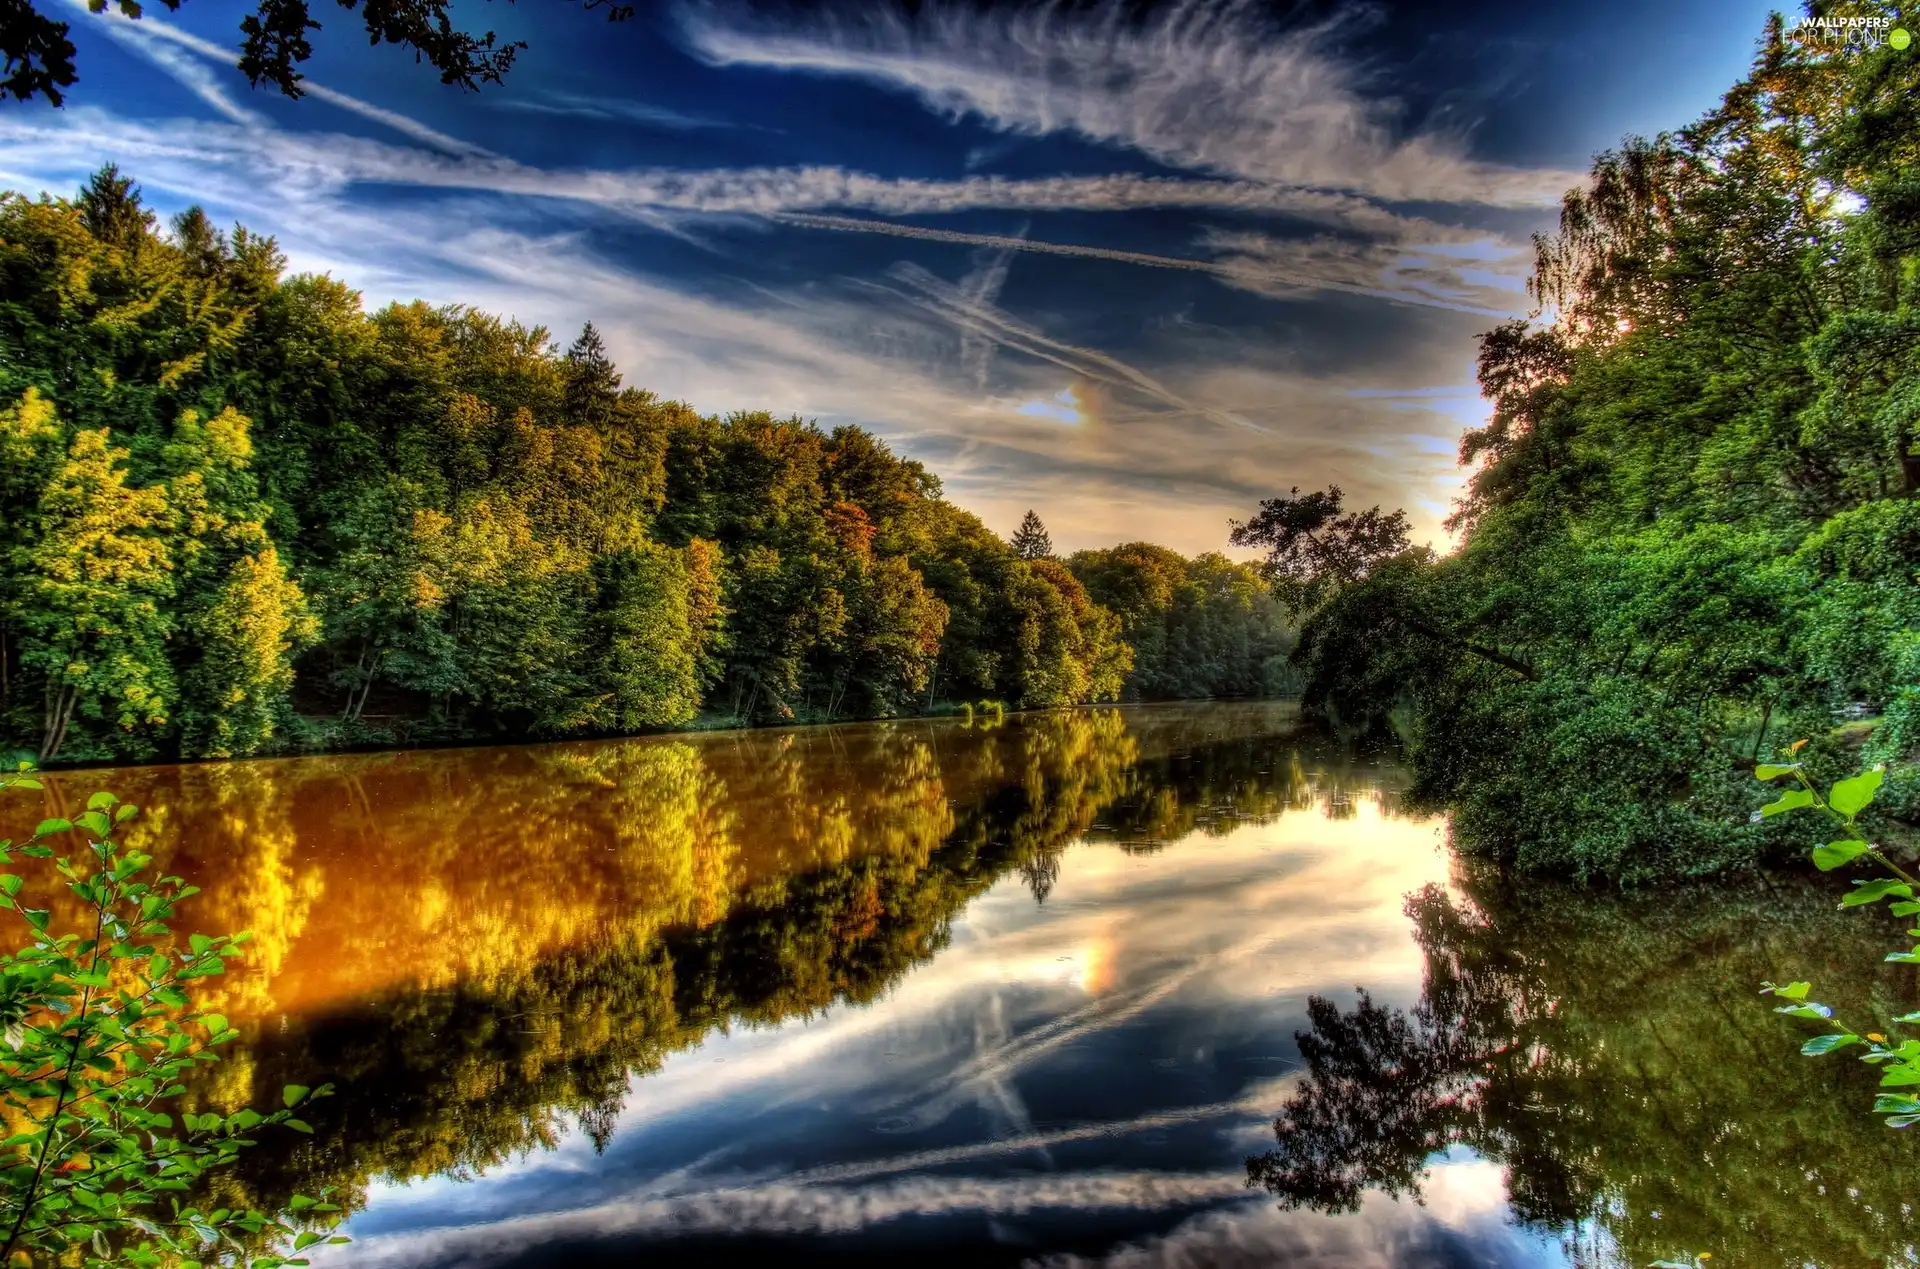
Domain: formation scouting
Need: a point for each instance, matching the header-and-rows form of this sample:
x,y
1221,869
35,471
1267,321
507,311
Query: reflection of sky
x,y
1080,1079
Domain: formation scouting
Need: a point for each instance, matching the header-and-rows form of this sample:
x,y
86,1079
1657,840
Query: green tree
x,y
1197,628
95,622
429,523
1030,540
1687,528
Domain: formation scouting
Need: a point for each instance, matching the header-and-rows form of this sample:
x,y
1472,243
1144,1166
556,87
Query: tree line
x,y
240,514
1692,530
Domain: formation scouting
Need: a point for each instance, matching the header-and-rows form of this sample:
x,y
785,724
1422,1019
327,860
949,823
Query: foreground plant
x,y
99,1031
1897,1056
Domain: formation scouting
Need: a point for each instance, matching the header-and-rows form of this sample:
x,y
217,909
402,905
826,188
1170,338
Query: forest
x,y
1692,527
240,514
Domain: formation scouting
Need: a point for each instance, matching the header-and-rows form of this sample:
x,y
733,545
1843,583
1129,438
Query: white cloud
x,y
1407,273
1208,85
340,161
1174,439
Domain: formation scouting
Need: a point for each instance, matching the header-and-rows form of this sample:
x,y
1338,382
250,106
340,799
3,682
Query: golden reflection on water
x,y
362,874
497,953
483,948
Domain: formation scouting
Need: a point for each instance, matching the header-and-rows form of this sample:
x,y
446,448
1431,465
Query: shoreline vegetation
x,y
240,515
1691,532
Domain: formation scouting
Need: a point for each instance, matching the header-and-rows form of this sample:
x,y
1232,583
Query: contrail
x,y
1247,272
1002,328
148,26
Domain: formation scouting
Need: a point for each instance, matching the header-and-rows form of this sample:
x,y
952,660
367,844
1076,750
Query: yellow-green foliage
x,y
242,514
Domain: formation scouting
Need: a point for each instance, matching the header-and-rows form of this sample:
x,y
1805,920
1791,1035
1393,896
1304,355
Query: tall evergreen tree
x,y
1030,540
593,385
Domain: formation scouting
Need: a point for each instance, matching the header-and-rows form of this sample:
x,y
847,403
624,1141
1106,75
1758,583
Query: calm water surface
x,y
1034,993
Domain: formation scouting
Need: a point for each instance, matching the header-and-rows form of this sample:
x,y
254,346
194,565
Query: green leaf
x,y
1899,1076
1833,854
1828,1043
1791,800
1793,991
1806,1011
1773,771
293,1094
95,822
101,801
1874,891
11,884
1851,796
1907,908
125,813
300,1125
49,827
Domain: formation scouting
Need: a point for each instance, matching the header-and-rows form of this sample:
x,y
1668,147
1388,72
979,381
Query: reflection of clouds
x,y
1259,1098
1217,937
1468,1202
792,1210
1222,918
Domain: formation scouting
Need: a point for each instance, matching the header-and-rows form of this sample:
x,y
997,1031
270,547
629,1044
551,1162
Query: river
x,y
1162,985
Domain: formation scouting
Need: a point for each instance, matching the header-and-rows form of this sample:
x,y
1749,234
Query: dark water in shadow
x,y
1026,994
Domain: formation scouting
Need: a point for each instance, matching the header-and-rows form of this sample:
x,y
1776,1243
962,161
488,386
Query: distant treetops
x,y
238,514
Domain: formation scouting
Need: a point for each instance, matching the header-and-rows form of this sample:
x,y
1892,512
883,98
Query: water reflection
x,y
482,949
1024,994
1612,1058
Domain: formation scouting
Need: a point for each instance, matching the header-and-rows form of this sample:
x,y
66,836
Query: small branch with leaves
x,y
98,1030
1898,1056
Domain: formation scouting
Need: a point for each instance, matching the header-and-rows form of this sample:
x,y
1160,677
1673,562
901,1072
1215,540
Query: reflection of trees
x,y
479,948
1612,1054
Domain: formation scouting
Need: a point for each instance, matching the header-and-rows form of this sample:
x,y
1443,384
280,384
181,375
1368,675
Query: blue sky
x,y
1133,268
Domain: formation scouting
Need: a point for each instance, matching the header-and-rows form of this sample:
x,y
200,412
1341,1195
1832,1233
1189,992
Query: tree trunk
x,y
60,703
